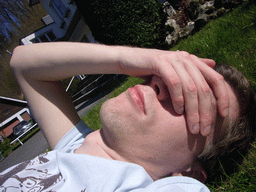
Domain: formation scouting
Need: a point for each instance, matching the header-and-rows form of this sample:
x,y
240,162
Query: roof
x,y
10,106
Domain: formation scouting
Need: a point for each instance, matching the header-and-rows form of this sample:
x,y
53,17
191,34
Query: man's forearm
x,y
56,61
38,69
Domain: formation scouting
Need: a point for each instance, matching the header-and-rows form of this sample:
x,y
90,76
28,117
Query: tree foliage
x,y
134,22
11,14
17,20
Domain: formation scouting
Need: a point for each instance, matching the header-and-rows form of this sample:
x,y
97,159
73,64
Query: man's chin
x,y
111,116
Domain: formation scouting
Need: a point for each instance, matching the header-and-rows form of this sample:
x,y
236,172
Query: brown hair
x,y
223,157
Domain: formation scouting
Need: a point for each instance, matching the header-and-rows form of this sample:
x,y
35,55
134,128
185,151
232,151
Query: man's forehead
x,y
233,103
221,123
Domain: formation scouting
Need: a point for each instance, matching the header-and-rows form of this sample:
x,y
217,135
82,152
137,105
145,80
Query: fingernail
x,y
181,110
196,128
226,112
207,130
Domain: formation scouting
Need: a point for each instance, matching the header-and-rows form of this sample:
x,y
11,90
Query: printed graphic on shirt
x,y
34,175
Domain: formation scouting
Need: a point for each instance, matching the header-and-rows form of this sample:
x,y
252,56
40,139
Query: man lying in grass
x,y
160,135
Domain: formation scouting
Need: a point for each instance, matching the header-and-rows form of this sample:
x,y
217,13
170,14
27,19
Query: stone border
x,y
192,15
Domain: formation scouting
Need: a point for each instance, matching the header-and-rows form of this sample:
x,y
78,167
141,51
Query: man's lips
x,y
137,97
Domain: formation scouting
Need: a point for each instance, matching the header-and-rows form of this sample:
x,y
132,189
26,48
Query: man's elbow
x,y
19,58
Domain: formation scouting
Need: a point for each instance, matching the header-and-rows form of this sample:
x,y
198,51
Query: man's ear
x,y
196,172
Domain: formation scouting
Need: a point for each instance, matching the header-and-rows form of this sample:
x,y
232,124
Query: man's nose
x,y
160,88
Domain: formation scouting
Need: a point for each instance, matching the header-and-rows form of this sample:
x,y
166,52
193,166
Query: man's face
x,y
142,126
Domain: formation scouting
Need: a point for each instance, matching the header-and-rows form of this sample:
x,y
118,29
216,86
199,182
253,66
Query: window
x,y
60,8
71,2
51,35
47,37
68,13
43,38
63,24
35,40
85,39
81,77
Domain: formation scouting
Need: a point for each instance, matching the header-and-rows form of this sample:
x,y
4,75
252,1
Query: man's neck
x,y
95,146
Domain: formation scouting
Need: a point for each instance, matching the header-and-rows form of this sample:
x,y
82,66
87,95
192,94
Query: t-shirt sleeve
x,y
73,138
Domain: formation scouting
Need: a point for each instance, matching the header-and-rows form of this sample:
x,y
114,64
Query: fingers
x,y
190,94
206,111
218,85
209,115
220,90
211,63
188,87
174,85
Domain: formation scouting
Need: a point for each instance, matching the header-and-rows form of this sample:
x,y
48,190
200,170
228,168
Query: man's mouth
x,y
137,97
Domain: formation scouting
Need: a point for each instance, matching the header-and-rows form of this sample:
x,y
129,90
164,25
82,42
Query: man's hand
x,y
191,81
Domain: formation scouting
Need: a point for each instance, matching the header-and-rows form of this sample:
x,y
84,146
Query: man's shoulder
x,y
74,137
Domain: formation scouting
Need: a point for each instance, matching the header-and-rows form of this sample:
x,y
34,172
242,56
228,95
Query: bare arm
x,y
40,67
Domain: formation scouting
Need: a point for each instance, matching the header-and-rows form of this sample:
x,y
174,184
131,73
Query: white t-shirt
x,y
63,170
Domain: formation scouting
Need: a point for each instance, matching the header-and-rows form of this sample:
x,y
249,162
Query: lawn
x,y
230,39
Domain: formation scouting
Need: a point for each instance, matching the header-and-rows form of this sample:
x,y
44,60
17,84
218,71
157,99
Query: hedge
x,y
5,145
135,22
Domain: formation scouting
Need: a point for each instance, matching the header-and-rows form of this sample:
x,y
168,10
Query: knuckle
x,y
225,98
175,83
213,103
205,90
178,100
224,102
192,117
184,54
193,56
191,89
218,79
206,117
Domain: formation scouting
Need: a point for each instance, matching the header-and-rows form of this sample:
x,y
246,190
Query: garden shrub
x,y
134,22
5,145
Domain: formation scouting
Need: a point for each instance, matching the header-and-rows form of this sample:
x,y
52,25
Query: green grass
x,y
230,39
